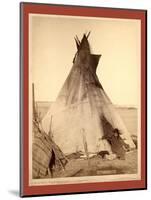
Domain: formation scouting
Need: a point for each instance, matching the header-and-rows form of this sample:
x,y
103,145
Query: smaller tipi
x,y
81,106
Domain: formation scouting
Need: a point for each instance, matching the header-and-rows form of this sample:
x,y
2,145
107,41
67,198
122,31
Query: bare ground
x,y
98,166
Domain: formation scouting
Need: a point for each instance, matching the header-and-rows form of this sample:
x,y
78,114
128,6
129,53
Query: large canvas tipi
x,y
82,111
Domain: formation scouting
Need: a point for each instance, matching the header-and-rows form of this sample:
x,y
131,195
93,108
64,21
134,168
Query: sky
x,y
52,48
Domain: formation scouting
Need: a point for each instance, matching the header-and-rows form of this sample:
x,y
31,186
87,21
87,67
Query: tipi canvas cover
x,y
82,111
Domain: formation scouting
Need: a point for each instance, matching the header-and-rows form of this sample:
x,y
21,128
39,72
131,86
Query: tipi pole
x,y
50,131
33,102
85,146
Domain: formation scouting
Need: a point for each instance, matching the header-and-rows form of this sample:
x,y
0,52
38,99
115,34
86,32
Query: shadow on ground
x,y
14,192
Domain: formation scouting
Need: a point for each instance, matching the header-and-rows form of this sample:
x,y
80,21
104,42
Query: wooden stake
x,y
85,146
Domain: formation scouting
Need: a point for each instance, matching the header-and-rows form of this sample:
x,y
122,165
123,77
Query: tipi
x,y
82,108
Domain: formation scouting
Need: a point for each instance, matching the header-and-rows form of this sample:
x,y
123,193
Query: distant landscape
x,y
128,114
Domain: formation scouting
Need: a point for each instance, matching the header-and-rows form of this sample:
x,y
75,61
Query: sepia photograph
x,y
84,99
85,84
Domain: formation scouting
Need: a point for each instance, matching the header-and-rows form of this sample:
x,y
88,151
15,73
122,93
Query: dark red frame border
x,y
25,10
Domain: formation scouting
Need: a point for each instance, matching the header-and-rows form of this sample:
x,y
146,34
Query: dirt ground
x,y
98,166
